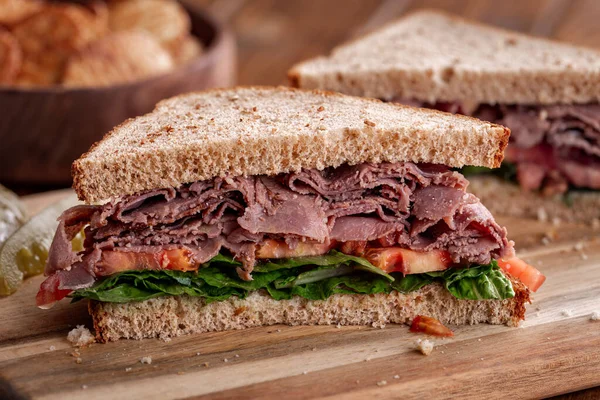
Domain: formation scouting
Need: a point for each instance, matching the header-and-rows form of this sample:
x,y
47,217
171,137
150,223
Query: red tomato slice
x,y
396,259
49,292
430,326
528,274
113,262
271,248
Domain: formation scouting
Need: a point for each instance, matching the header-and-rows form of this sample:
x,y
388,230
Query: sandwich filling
x,y
552,148
365,228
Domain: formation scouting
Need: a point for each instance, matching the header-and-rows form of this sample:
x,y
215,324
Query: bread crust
x,y
266,131
166,317
430,55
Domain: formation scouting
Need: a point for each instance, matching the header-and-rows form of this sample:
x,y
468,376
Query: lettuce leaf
x,y
314,278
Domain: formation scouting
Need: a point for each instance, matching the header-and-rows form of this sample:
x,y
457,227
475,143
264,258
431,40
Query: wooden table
x,y
272,36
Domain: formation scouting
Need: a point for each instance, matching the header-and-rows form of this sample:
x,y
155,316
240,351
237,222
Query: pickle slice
x,y
12,213
24,254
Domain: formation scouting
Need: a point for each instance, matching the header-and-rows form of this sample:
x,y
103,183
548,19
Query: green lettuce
x,y
314,278
506,171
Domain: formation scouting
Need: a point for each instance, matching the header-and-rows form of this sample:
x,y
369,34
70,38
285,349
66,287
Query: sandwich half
x,y
253,206
546,92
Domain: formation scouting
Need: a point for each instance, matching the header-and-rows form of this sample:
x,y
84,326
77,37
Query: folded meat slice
x,y
553,146
418,207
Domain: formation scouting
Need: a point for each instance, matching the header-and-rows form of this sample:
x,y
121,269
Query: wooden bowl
x,y
42,130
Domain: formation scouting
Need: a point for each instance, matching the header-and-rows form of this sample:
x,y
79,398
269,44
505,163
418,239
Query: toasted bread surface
x,y
433,56
267,131
165,317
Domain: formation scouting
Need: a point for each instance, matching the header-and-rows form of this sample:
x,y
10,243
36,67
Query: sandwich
x,y
253,206
546,92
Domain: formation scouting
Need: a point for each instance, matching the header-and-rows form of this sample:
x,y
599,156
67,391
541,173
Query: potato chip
x,y
167,21
117,58
47,38
10,57
13,11
187,50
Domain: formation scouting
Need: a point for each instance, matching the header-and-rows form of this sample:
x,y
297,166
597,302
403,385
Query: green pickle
x,y
24,254
12,213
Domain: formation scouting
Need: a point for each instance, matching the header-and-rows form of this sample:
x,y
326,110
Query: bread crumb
x,y
338,326
225,360
166,339
80,336
396,376
84,387
304,372
481,358
566,313
368,359
52,348
128,369
479,340
578,246
146,360
198,353
595,316
424,346
237,356
206,364
314,349
381,383
556,221
545,241
78,360
542,214
278,330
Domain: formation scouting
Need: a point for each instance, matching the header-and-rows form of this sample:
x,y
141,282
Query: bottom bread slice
x,y
507,198
171,316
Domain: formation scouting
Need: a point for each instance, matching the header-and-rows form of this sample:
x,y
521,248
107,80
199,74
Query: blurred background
x,y
64,97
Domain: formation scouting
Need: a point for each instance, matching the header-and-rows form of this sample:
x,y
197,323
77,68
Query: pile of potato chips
x,y
95,43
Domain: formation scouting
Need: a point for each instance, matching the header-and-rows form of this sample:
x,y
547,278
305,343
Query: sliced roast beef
x,y
562,140
420,207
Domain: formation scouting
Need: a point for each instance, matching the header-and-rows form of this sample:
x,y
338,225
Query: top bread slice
x,y
432,56
267,130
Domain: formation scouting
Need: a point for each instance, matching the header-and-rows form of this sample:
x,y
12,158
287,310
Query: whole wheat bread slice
x,y
265,130
432,56
165,317
507,198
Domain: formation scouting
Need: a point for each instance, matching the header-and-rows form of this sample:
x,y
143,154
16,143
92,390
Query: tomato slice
x,y
528,274
49,292
272,248
430,326
396,259
113,262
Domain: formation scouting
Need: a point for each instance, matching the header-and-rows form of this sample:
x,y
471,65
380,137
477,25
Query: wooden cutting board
x,y
557,349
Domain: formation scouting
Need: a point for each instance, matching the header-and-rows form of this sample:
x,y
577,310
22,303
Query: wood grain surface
x,y
557,349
